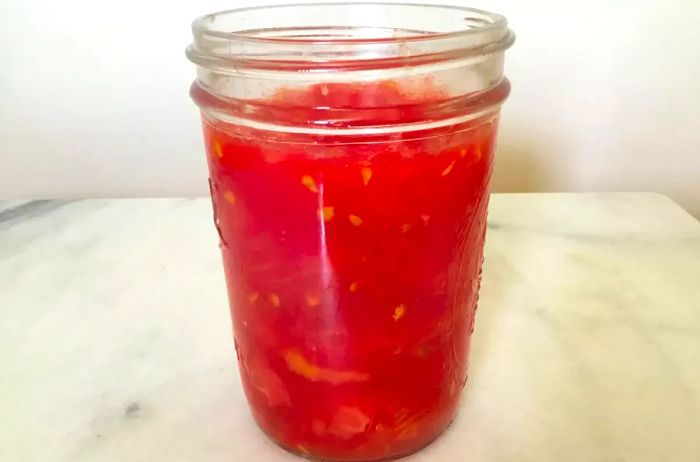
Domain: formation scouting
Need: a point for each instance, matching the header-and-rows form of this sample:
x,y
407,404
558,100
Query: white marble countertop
x,y
115,342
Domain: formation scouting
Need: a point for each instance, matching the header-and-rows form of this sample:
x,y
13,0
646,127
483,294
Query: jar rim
x,y
231,38
199,25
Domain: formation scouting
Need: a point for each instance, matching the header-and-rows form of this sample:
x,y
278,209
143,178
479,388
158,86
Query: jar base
x,y
300,452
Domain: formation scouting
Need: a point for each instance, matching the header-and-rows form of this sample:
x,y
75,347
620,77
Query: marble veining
x,y
115,342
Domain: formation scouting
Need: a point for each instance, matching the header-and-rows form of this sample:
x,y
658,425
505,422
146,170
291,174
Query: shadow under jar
x,y
350,148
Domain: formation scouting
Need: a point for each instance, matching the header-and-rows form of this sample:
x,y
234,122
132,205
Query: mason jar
x,y
350,148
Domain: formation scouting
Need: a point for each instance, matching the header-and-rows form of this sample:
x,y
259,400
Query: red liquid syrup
x,y
352,269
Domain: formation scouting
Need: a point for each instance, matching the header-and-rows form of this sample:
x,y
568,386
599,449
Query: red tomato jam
x,y
352,269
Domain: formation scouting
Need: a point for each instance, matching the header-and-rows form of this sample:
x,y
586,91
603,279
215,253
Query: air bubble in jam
x,y
354,265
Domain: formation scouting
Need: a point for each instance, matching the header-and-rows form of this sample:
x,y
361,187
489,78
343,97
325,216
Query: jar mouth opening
x,y
219,24
350,35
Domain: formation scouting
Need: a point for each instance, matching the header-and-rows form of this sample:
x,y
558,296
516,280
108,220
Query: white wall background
x,y
93,102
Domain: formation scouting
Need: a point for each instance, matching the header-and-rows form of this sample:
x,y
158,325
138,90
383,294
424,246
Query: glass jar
x,y
350,148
